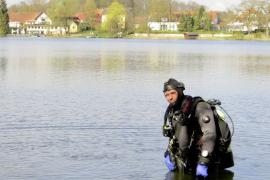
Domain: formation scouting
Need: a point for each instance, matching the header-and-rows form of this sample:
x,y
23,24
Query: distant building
x,y
83,18
246,21
84,23
163,26
215,19
30,22
240,26
73,24
140,21
35,23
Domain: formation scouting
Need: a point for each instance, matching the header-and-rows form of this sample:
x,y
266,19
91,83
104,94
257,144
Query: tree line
x,y
191,16
151,10
4,18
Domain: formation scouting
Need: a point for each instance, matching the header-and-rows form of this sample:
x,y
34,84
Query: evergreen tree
x,y
197,23
186,23
199,18
190,23
4,18
207,25
182,23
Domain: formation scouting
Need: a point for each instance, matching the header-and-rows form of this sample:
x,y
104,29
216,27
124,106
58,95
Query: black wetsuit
x,y
192,120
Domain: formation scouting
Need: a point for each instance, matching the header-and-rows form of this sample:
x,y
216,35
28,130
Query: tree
x,y
227,17
186,23
30,6
38,5
140,8
263,12
21,7
206,22
4,18
248,14
60,11
202,21
158,9
103,3
182,23
198,18
89,9
115,18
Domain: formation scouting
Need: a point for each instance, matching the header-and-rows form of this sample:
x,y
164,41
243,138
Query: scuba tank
x,y
224,155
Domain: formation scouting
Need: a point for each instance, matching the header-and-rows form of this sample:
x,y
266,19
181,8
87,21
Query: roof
x,y
140,20
213,14
81,16
23,17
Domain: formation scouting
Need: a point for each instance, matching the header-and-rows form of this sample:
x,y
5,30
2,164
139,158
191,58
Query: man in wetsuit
x,y
189,123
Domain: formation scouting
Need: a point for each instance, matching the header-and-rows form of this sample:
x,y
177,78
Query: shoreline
x,y
161,36
202,36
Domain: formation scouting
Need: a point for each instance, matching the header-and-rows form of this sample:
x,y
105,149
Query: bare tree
x,y
263,9
248,14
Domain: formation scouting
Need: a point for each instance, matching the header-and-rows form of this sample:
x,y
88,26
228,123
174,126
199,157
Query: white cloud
x,y
11,2
216,4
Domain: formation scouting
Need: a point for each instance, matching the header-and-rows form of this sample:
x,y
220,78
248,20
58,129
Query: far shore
x,y
175,36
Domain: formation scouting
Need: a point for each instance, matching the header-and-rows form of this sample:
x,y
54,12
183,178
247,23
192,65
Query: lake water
x,y
93,108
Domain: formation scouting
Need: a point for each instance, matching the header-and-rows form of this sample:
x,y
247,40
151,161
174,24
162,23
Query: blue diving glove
x,y
171,165
202,170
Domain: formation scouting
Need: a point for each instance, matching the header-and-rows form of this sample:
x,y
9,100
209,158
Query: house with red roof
x,y
81,16
83,19
35,23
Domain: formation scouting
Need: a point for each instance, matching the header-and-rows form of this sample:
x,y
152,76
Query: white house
x,y
36,23
163,26
240,26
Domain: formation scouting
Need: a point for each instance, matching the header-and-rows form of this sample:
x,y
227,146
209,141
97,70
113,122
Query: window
x,y
164,27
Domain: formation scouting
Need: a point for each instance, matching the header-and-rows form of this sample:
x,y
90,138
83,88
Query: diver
x,y
193,136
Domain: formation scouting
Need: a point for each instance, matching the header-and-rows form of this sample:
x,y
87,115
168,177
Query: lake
x,y
93,108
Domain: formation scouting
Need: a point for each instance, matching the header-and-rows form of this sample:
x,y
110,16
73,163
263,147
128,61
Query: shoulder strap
x,y
196,100
186,105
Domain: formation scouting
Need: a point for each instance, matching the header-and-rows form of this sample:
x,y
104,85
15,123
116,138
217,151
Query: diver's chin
x,y
172,103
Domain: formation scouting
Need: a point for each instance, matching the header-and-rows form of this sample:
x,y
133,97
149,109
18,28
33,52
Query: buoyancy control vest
x,y
185,115
223,151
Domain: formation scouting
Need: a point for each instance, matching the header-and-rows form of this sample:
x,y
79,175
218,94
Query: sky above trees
x,y
217,4
211,4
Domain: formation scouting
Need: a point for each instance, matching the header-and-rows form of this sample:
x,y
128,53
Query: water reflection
x,y
257,65
165,57
3,66
112,61
75,103
222,175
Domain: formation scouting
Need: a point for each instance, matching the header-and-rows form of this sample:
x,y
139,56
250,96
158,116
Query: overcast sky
x,y
211,4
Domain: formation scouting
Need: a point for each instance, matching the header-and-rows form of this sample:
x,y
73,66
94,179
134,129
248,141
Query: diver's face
x,y
171,96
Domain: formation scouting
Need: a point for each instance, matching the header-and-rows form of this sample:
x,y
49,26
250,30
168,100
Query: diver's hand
x,y
202,170
170,165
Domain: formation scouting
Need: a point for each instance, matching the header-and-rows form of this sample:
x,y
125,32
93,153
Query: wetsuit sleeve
x,y
166,115
206,121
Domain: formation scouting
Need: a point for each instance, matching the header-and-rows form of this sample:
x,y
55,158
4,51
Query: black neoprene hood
x,y
173,84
